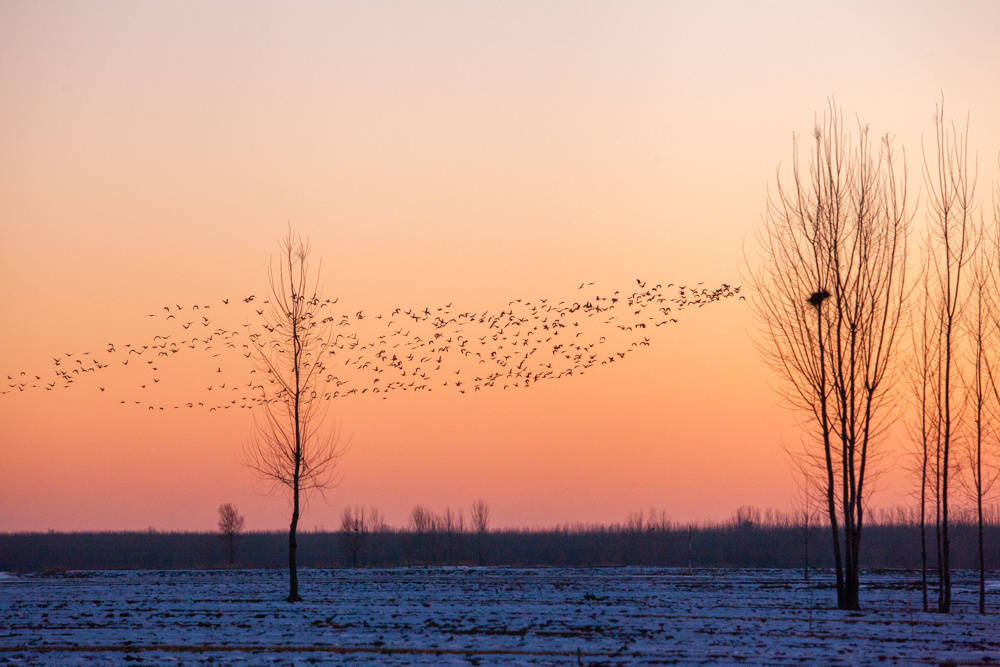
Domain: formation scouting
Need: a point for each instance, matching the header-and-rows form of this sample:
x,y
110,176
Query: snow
x,y
484,616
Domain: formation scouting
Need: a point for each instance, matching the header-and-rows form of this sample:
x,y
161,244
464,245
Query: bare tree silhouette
x,y
481,522
452,524
980,478
804,497
951,186
829,299
376,520
423,520
926,433
290,444
230,525
984,385
355,524
985,475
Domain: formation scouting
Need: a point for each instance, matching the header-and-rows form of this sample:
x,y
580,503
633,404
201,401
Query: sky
x,y
432,152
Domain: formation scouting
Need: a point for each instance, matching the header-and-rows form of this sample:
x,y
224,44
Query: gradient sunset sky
x,y
155,152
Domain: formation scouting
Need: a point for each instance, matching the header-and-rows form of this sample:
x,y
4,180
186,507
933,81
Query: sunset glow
x,y
435,153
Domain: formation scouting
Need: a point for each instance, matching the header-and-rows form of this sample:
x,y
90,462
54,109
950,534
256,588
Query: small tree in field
x,y
230,525
355,524
481,522
376,520
289,445
424,523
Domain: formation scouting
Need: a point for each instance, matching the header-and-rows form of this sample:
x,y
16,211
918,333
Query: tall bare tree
x,y
980,380
983,468
291,445
951,186
829,297
230,525
926,433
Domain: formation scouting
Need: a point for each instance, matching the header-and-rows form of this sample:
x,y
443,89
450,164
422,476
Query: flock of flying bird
x,y
358,353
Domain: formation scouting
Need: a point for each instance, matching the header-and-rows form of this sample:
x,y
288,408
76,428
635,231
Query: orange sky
x,y
154,153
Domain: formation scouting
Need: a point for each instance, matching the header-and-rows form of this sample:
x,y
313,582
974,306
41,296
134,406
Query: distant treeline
x,y
745,544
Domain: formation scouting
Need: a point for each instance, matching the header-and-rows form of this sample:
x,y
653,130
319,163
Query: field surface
x,y
484,616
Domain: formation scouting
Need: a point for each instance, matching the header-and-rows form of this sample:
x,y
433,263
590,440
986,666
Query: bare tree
x,y
230,525
985,327
424,523
481,522
746,516
423,520
980,480
452,523
481,515
635,522
355,524
951,186
376,520
804,497
926,435
290,445
829,297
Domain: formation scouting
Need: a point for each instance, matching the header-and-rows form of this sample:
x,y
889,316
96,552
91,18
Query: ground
x,y
485,616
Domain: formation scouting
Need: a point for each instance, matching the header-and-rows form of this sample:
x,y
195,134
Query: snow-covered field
x,y
484,616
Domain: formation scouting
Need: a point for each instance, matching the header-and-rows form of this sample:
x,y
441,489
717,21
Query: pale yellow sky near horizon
x,y
476,152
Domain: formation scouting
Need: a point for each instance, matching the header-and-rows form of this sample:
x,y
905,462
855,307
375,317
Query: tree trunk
x,y
831,503
937,524
923,528
982,561
944,597
690,551
805,565
293,574
853,594
850,567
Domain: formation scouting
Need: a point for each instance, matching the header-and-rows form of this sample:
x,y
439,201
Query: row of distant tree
x,y
358,522
750,538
